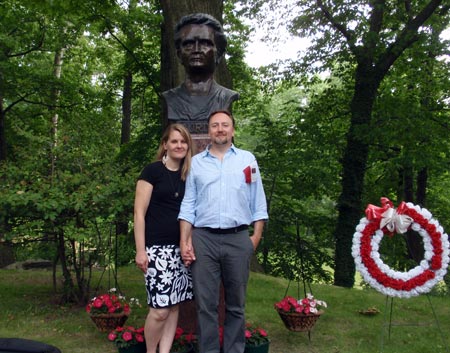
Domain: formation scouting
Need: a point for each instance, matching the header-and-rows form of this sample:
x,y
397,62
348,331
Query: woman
x,y
159,192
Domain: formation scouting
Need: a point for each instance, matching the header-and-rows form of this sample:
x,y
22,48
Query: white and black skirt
x,y
168,280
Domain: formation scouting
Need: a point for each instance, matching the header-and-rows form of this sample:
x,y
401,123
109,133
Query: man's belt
x,y
226,230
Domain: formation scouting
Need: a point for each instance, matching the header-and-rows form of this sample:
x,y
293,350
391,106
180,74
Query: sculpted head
x,y
202,30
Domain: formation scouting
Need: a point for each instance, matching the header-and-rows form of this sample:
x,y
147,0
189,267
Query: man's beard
x,y
221,140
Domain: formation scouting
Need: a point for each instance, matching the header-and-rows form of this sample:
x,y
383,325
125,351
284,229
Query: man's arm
x,y
258,228
186,248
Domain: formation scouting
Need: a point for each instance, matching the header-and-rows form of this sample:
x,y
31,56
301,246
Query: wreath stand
x,y
300,323
111,271
388,323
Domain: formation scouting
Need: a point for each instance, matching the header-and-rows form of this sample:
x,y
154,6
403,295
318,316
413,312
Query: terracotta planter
x,y
262,348
108,322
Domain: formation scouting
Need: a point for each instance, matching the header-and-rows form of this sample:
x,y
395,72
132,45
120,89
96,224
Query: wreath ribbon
x,y
387,216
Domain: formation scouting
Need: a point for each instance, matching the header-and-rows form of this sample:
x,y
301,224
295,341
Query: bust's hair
x,y
203,19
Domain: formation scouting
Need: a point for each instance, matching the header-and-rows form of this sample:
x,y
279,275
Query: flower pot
x,y
135,348
262,348
108,322
299,322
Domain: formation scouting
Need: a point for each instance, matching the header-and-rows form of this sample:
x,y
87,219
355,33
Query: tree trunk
x,y
126,107
421,188
57,67
6,250
2,125
354,165
127,98
68,285
413,239
128,81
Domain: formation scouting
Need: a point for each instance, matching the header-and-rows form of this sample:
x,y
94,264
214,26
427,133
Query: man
x,y
200,44
224,195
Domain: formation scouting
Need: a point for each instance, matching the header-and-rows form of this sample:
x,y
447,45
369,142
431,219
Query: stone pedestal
x,y
201,141
187,318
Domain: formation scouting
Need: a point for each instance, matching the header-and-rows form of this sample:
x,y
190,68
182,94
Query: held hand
x,y
187,254
142,261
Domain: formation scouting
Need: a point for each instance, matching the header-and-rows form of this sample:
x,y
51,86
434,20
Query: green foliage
x,y
297,155
66,183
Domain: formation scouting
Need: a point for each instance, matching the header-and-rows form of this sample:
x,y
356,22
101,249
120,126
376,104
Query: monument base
x,y
187,318
201,141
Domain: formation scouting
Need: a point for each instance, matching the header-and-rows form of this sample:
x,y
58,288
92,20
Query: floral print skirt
x,y
167,280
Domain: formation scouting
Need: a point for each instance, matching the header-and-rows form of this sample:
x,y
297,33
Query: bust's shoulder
x,y
226,92
174,92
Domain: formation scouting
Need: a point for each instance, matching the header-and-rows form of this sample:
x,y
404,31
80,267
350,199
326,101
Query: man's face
x,y
221,129
198,50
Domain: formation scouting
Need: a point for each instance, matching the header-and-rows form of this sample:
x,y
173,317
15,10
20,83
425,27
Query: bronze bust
x,y
200,45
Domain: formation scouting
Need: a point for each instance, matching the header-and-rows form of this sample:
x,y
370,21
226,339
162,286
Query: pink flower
x,y
255,336
127,336
179,331
97,303
306,305
305,301
285,306
262,332
190,337
112,336
139,337
126,309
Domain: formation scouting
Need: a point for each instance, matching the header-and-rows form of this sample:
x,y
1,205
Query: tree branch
x,y
348,34
408,36
111,32
34,48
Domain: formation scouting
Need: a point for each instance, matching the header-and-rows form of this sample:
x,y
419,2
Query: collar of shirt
x,y
206,152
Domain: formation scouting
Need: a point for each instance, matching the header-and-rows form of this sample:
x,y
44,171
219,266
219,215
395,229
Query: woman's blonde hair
x,y
186,162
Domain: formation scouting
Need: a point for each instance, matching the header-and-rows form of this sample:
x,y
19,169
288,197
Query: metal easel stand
x,y
298,296
388,323
302,272
111,267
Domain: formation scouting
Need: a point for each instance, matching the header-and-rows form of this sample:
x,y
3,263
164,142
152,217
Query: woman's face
x,y
176,146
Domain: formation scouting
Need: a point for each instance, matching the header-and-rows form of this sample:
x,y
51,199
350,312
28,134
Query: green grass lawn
x,y
30,310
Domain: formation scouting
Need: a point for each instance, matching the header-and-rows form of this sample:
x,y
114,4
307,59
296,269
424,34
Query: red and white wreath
x,y
387,220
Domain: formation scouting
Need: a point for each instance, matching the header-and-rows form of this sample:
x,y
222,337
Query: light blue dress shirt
x,y
217,194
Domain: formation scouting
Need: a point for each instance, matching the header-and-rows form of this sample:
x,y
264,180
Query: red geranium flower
x,y
125,337
255,336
